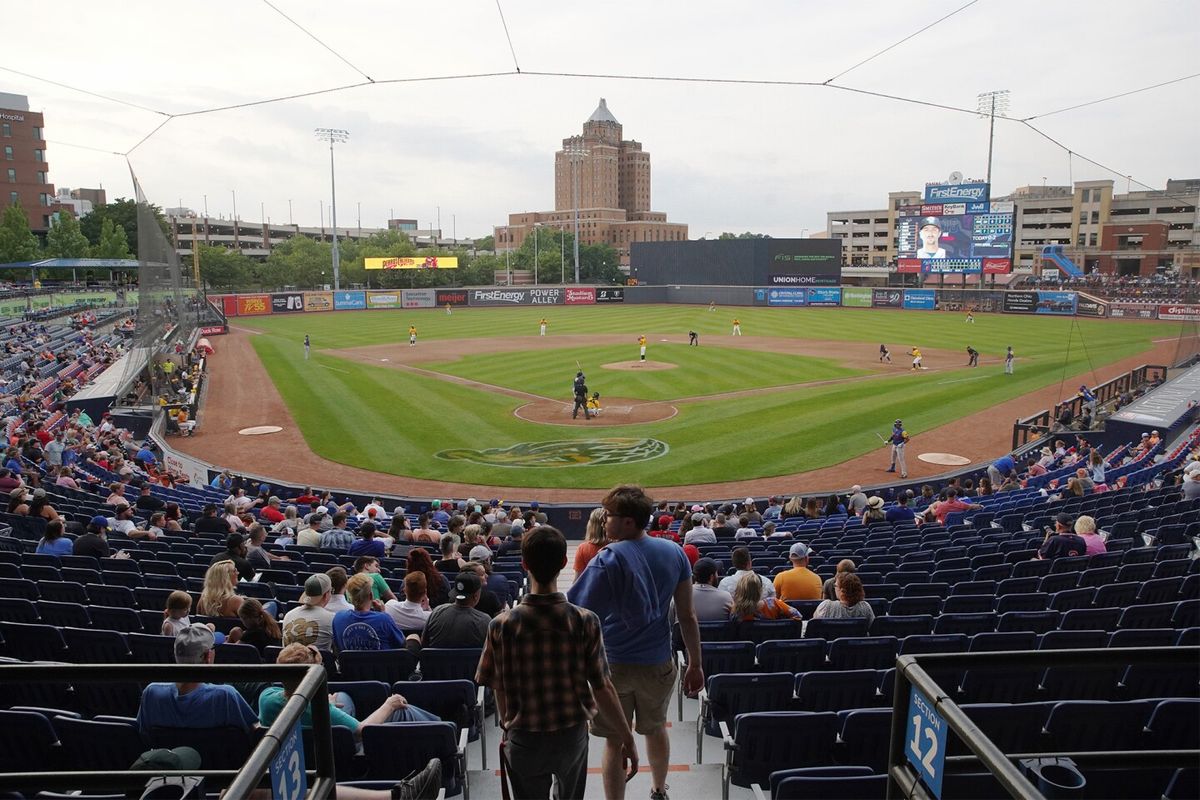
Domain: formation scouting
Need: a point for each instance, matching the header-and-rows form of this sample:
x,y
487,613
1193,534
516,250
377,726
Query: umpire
x,y
581,396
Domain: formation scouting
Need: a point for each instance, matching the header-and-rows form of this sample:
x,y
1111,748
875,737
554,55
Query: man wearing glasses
x,y
630,585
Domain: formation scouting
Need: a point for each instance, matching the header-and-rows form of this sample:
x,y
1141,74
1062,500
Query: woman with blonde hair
x,y
593,541
793,508
749,604
219,597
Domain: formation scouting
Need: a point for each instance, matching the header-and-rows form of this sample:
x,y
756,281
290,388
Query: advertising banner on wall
x,y
956,192
1188,312
1090,307
856,296
451,297
1039,302
1131,311
787,297
229,305
383,299
580,295
920,299
887,298
831,296
287,302
349,301
419,262
803,262
610,294
760,296
252,305
516,297
418,298
318,301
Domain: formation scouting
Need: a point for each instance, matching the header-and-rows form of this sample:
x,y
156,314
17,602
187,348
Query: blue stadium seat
x,y
969,604
395,749
1147,616
93,745
1025,601
31,642
720,657
901,626
868,652
387,666
1142,637
830,629
1078,619
1035,621
1184,785
726,696
1080,725
1160,590
1014,728
915,606
19,588
1160,680
1174,725
791,655
935,643
762,743
837,691
1072,639
63,592
1116,595
27,742
146,648
864,737
219,748
965,623
803,784
125,620
64,614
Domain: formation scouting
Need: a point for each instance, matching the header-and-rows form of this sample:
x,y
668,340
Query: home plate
x,y
944,459
259,430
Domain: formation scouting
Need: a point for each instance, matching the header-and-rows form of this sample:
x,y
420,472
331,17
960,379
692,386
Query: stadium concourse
x,y
103,551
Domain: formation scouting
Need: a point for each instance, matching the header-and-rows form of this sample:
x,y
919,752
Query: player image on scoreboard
x,y
953,240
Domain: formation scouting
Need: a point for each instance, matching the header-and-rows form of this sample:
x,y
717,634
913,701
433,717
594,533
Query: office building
x,y
24,167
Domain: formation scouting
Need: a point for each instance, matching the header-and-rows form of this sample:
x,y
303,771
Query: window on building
x,y
37,133
5,129
8,152
1091,240
1086,196
1095,217
1080,241
44,199
13,198
39,155
12,175
1083,218
41,177
45,220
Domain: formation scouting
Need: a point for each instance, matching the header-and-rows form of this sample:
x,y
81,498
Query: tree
x,y
485,243
300,261
112,242
124,213
65,239
599,263
746,235
224,269
17,242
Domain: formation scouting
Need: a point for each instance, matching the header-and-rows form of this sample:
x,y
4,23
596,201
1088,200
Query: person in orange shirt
x,y
799,582
593,541
749,603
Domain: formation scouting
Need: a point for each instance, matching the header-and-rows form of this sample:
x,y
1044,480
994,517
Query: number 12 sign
x,y
925,740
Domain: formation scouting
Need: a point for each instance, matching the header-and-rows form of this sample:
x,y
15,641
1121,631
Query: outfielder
x,y
542,327
412,335
737,327
642,346
1008,361
307,345
898,440
916,357
971,315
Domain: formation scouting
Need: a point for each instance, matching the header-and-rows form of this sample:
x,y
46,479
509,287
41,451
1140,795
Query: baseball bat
x,y
885,441
577,366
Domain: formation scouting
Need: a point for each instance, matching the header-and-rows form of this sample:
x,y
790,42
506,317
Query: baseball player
x,y
542,327
448,311
593,404
581,397
1008,361
737,327
972,357
693,339
307,345
712,305
916,357
885,354
971,315
642,346
897,441
412,335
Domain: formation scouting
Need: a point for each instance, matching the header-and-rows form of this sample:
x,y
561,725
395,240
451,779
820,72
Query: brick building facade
x,y
24,168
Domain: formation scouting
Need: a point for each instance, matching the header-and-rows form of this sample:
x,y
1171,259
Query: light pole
x,y
536,225
991,104
575,154
562,258
333,135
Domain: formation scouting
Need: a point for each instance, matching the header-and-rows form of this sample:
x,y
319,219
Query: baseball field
x,y
483,399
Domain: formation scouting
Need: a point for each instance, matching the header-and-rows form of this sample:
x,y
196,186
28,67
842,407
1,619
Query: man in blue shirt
x,y
630,585
362,628
900,512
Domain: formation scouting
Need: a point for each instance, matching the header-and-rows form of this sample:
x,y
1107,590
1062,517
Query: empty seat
x,y
965,623
1149,616
830,629
726,696
901,626
1025,601
836,691
1091,725
1072,639
792,655
872,652
1090,619
865,734
768,742
1035,621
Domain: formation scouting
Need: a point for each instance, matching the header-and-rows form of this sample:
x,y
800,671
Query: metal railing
x,y
911,672
241,782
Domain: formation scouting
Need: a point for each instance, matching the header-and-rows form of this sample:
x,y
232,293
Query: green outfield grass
x,y
391,421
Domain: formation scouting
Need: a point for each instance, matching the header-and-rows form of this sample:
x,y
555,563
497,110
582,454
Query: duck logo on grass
x,y
563,453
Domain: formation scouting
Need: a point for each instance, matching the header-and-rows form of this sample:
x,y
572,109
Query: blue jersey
x,y
899,435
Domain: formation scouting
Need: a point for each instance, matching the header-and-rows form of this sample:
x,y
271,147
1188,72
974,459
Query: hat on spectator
x,y
697,507
481,552
698,517
192,643
875,501
704,569
435,504
799,550
1145,436
178,758
465,585
518,526
100,522
749,501
665,521
315,587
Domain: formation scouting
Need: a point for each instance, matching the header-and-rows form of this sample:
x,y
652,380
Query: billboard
x,y
580,295
787,297
1131,311
856,297
794,262
451,297
958,233
1191,313
318,301
416,262
384,299
1039,302
516,297
610,294
252,305
825,296
349,301
1090,307
229,305
287,302
418,298
920,299
887,298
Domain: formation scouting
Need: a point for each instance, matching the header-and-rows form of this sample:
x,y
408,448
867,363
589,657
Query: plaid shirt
x,y
544,656
337,539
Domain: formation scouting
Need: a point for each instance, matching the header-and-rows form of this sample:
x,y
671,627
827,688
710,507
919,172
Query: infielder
x,y
898,440
693,339
972,357
307,345
642,346
737,327
542,327
885,354
412,335
1008,361
916,357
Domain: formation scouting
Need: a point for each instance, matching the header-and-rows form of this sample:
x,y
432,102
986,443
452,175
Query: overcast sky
x,y
772,159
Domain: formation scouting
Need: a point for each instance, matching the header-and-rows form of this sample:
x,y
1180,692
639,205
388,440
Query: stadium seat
x,y
448,663
1116,595
719,657
935,643
726,696
791,655
125,620
1174,725
396,749
64,614
1160,680
1090,725
148,648
90,745
1072,639
63,592
870,652
388,666
1035,621
830,629
1025,601
1147,616
219,748
761,743
837,691
1013,727
969,604
33,642
1160,590
27,742
864,737
965,623
1090,619
801,784
345,754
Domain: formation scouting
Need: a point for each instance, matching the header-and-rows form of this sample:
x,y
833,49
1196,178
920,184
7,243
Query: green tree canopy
x,y
746,235
123,212
485,243
112,242
17,242
65,239
225,269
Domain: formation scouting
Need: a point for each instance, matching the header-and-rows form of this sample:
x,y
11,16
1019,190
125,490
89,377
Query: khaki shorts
x,y
645,691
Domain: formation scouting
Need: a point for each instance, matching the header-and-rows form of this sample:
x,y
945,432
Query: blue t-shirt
x,y
62,546
899,513
365,547
629,585
207,706
272,701
366,630
1004,464
145,455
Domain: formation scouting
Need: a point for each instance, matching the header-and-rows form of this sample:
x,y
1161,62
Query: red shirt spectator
x,y
952,504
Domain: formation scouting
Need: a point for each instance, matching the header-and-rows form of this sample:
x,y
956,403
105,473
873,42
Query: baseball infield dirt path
x,y
240,394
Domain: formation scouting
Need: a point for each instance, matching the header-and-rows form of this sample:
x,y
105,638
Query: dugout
x,y
737,262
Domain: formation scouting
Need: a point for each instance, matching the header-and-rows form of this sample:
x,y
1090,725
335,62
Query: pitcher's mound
x,y
615,411
944,459
649,366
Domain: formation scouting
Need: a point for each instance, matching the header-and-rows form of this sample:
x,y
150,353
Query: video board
x,y
975,236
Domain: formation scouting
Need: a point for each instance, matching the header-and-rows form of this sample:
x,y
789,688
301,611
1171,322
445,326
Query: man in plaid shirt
x,y
545,661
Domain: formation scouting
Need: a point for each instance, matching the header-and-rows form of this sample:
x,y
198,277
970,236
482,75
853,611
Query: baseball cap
x,y
799,550
234,540
178,758
1064,519
100,522
927,221
697,507
533,504
480,552
315,587
192,643
435,504
665,521
465,585
704,569
698,517
749,501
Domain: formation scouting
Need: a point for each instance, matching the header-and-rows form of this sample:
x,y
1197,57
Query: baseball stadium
x,y
592,507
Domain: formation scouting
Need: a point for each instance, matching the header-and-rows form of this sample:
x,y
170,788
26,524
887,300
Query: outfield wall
x,y
1011,301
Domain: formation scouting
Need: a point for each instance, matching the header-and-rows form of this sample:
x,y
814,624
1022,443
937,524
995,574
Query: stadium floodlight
x,y
991,104
575,154
333,135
